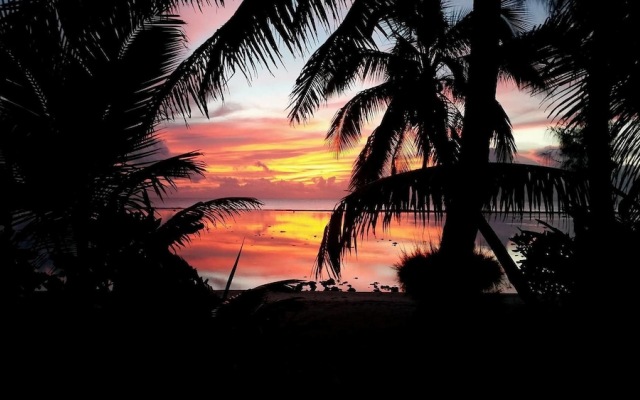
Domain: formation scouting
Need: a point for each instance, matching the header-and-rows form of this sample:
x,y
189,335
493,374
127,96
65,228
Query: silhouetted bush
x,y
549,264
561,269
430,274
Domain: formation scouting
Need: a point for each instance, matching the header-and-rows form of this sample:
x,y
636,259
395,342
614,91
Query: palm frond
x,y
147,62
253,302
406,58
248,40
562,69
346,126
363,64
375,158
446,143
511,188
177,231
503,139
428,122
225,294
159,176
23,94
456,41
515,17
629,205
626,151
523,63
404,157
325,71
434,117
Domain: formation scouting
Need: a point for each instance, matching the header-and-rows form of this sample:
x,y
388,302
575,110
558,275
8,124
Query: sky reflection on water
x,y
283,244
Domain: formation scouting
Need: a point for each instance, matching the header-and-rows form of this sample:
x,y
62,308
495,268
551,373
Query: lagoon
x,y
281,241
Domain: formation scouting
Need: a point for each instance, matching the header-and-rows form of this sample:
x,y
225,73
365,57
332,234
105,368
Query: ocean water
x,y
281,241
268,204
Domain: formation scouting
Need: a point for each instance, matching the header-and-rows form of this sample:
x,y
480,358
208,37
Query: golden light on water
x,y
284,245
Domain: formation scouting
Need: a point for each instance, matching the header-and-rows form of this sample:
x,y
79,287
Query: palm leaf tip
x,y
331,250
233,272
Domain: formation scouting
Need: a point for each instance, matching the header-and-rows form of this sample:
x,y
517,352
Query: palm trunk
x,y
467,191
600,233
598,138
514,275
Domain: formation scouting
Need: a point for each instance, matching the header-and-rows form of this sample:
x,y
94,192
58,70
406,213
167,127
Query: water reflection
x,y
280,244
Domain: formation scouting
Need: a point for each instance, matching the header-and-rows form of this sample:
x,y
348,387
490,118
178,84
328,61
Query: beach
x,y
307,344
323,313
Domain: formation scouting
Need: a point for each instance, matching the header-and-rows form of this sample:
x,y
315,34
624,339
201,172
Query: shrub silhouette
x,y
429,274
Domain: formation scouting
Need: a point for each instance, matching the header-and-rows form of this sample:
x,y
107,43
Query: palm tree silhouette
x,y
592,70
590,85
463,184
421,79
82,96
177,87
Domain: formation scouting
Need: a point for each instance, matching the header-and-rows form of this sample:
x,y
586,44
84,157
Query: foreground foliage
x,y
84,89
429,275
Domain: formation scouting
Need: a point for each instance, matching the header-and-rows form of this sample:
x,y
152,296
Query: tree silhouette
x,y
443,177
82,93
592,68
239,46
422,76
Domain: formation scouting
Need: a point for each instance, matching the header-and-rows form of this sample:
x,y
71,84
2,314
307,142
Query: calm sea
x,y
281,241
268,204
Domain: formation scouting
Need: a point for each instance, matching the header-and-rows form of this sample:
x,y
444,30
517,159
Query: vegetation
x,y
549,263
590,94
549,61
82,98
426,275
90,273
450,164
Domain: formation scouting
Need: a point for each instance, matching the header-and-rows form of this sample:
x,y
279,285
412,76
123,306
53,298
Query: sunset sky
x,y
250,149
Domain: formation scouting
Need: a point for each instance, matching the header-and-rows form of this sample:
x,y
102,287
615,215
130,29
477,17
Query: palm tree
x,y
424,62
51,58
592,68
240,46
465,185
554,260
80,102
591,85
466,199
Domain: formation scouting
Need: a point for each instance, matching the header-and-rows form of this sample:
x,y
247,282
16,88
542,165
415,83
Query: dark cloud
x,y
225,110
262,165
195,178
549,156
161,151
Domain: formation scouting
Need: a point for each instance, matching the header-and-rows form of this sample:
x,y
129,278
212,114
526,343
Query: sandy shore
x,y
376,341
337,316
296,344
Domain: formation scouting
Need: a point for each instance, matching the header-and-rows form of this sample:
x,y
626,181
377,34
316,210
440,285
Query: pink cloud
x,y
263,189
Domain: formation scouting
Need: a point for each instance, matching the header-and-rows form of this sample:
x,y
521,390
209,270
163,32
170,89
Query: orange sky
x,y
250,149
